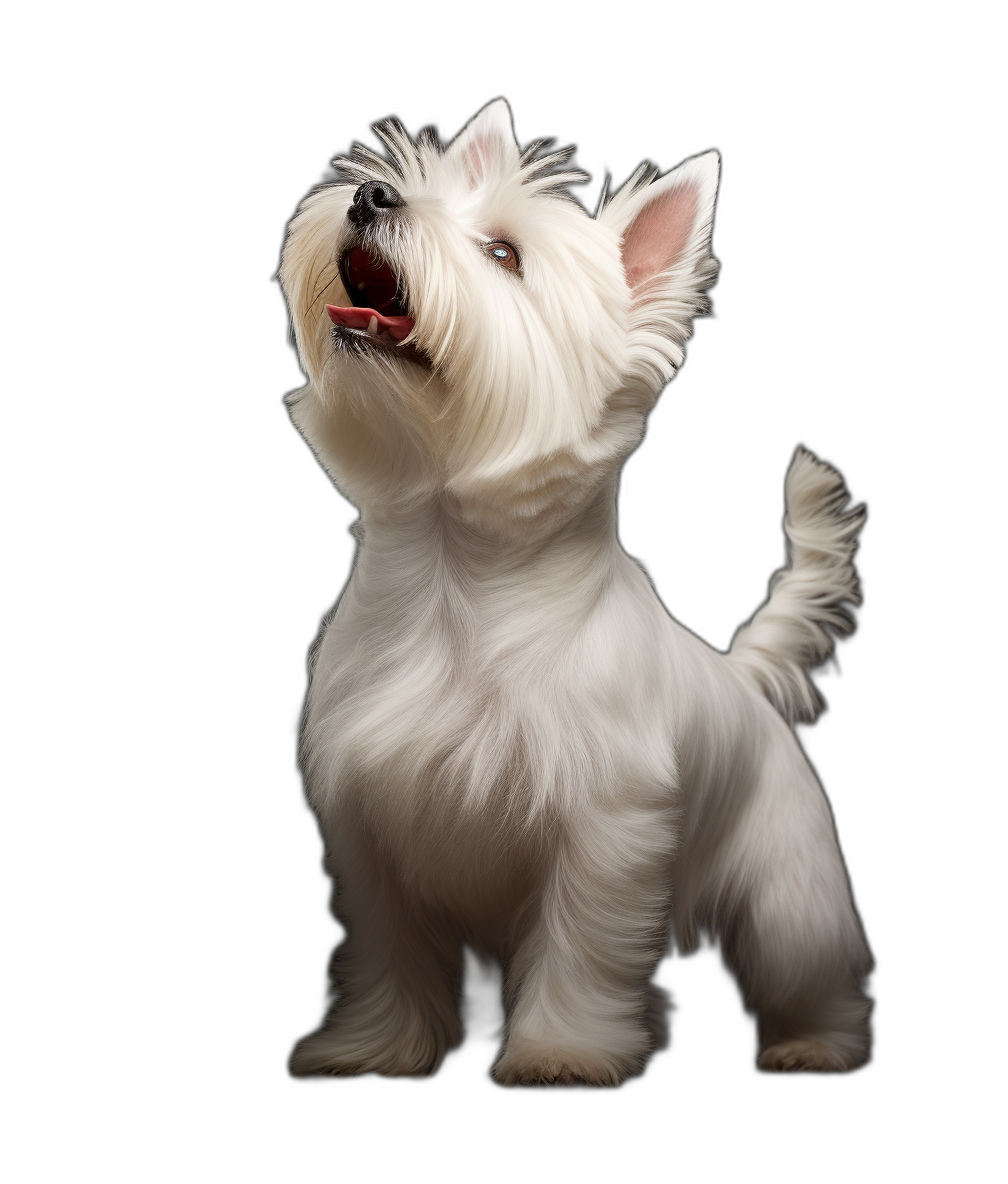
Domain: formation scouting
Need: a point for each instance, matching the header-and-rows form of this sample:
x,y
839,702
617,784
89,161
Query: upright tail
x,y
810,599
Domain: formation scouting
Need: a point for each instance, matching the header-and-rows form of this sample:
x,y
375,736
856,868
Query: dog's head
x,y
470,332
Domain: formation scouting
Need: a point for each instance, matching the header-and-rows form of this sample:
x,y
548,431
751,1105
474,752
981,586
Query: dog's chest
x,y
446,707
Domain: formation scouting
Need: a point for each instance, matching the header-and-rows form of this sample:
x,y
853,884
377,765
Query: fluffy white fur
x,y
507,740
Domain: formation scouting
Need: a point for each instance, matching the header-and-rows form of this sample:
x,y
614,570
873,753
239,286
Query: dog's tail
x,y
810,598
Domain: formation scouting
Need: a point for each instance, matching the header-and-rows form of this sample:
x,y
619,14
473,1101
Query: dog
x,y
507,741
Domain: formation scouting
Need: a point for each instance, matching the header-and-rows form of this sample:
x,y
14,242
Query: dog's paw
x,y
525,1062
811,1054
341,1051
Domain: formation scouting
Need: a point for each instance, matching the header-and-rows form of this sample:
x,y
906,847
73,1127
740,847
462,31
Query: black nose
x,y
372,199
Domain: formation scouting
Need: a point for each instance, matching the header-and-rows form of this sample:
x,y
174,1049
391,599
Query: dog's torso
x,y
484,696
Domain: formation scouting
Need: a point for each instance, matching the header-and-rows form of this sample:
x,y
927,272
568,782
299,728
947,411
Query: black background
x,y
802,348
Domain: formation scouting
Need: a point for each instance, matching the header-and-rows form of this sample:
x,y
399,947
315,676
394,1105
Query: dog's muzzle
x,y
371,201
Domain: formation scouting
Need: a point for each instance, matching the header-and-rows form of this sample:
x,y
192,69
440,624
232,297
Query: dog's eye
x,y
504,254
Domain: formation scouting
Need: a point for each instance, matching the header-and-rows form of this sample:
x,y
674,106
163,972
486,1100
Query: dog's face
x,y
470,332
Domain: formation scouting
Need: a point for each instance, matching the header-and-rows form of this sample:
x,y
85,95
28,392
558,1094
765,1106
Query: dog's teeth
x,y
373,327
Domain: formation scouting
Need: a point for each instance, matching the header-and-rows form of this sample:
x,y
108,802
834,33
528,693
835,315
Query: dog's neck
x,y
427,545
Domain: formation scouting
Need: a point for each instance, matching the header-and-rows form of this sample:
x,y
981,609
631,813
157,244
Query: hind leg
x,y
659,1009
788,925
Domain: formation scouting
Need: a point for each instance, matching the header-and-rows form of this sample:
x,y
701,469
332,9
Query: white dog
x,y
507,740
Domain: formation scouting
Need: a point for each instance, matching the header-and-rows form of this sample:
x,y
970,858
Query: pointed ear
x,y
666,245
666,226
487,143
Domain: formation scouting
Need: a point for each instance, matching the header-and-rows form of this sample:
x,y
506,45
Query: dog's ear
x,y
487,143
667,224
670,221
665,227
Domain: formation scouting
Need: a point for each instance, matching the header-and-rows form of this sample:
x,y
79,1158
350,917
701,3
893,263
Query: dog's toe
x,y
807,1054
541,1064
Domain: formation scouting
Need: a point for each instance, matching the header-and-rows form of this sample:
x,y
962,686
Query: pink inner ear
x,y
655,240
477,151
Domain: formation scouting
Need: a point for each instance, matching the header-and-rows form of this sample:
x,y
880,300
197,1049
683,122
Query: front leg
x,y
577,994
397,979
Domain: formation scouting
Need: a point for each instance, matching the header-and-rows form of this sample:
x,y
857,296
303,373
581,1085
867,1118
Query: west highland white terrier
x,y
507,740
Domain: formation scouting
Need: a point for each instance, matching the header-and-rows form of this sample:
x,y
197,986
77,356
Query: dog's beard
x,y
351,342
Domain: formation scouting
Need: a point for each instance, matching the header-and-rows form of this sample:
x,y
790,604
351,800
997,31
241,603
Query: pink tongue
x,y
360,318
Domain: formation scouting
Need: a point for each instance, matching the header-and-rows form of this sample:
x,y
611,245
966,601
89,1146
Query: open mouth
x,y
379,315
